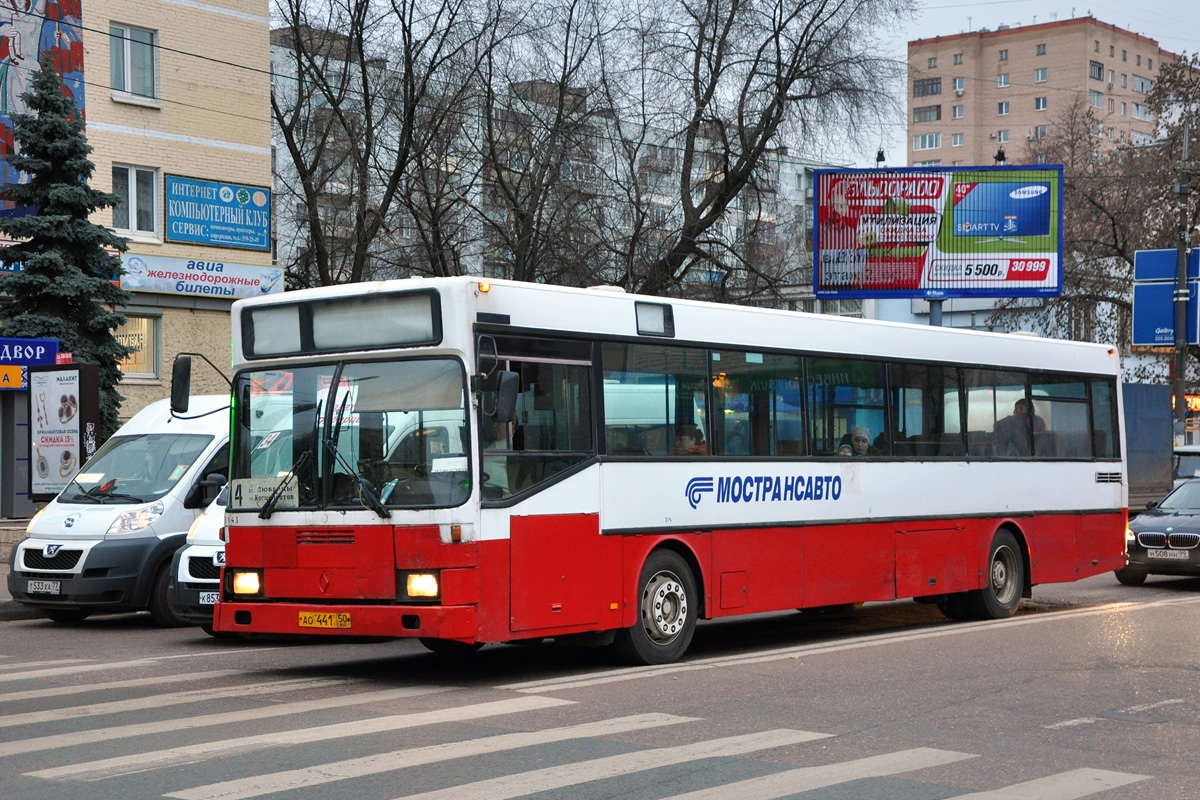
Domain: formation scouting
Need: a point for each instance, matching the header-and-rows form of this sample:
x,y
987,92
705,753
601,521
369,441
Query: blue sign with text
x,y
1163,265
1154,314
219,214
18,355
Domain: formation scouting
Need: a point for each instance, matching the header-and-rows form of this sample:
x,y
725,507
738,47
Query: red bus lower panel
x,y
437,622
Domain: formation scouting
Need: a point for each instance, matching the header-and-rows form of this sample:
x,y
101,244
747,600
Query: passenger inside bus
x,y
689,441
860,442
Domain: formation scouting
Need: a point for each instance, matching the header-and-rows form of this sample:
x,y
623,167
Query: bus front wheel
x,y
667,609
1001,594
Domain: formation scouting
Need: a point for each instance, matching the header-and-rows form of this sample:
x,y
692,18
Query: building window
x,y
136,189
1039,132
933,63
1002,136
1149,63
1004,55
937,162
1039,104
1002,80
956,112
1124,80
141,334
1096,99
958,58
1124,56
131,60
1039,75
1041,49
1123,108
1139,60
1096,70
1111,105
1097,46
1142,112
927,141
956,140
927,114
1143,85
927,86
1111,50
1040,158
959,83
1112,77
1002,108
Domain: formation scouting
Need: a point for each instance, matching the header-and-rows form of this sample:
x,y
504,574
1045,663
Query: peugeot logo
x,y
70,521
51,550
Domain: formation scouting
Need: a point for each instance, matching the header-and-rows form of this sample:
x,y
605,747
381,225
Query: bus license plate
x,y
44,587
1180,555
314,619
208,598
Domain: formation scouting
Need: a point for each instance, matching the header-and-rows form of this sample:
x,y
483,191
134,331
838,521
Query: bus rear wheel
x,y
1001,595
667,610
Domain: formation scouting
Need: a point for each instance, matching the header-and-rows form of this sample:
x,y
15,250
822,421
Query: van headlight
x,y
136,520
34,521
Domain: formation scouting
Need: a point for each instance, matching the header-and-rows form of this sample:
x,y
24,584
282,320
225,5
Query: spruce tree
x,y
64,290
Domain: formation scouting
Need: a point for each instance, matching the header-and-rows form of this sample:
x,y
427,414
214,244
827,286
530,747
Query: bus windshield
x,y
340,435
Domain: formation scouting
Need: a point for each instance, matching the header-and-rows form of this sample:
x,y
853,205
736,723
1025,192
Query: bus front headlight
x,y
246,583
136,520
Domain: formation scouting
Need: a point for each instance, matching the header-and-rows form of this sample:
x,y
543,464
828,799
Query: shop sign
x,y
218,214
18,355
191,276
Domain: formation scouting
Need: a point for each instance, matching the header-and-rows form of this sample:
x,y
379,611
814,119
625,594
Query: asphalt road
x,y
1091,691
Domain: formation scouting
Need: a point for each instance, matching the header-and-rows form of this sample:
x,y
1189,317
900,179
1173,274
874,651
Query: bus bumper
x,y
434,622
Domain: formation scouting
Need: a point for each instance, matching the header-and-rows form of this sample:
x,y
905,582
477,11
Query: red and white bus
x,y
471,462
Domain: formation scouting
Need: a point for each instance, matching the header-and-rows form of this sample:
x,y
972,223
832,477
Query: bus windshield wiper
x,y
268,507
364,490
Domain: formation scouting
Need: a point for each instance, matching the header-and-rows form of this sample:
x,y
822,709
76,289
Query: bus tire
x,y
1005,580
954,608
449,647
667,609
67,614
1131,576
160,600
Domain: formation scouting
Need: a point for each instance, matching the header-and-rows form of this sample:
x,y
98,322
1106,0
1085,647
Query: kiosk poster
x,y
63,411
934,232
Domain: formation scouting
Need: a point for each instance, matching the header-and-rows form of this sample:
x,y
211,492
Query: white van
x,y
106,542
1187,462
196,568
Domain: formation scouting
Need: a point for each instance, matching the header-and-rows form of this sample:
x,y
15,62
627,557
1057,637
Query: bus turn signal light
x,y
422,584
246,583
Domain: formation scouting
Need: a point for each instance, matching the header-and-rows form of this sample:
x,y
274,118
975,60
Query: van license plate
x,y
208,598
44,587
313,619
219,559
1178,555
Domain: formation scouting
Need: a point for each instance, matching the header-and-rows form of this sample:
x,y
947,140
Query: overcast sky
x,y
1174,24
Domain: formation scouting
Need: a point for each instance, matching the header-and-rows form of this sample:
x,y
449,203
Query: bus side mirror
x,y
181,384
507,385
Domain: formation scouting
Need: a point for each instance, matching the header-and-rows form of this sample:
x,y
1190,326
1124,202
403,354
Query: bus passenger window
x,y
756,404
992,428
652,394
845,395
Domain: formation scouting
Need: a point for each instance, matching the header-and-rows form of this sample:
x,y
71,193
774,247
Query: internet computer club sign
x,y
938,232
218,214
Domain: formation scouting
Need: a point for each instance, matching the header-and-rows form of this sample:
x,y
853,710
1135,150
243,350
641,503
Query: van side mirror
x,y
181,384
204,491
507,385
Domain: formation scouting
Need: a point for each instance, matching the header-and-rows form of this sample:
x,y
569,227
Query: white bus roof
x,y
552,309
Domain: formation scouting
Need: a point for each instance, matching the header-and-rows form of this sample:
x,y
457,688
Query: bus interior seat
x,y
979,443
951,445
1045,444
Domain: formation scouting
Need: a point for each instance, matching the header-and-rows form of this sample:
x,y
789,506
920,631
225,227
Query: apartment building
x,y
971,94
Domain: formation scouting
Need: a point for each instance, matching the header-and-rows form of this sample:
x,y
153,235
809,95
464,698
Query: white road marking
x,y
79,666
1063,786
191,754
209,720
83,688
1072,723
804,779
857,643
42,664
1149,706
403,759
171,699
543,780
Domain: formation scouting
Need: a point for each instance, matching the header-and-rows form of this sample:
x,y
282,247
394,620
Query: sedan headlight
x,y
1130,536
136,520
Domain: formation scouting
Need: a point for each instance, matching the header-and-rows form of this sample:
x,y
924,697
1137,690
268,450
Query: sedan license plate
x,y
219,559
1179,555
208,598
44,587
315,619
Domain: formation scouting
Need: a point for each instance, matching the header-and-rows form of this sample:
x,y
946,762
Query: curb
x,y
11,610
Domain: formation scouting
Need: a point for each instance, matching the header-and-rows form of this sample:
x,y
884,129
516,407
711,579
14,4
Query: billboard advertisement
x,y
170,275
936,232
33,31
218,214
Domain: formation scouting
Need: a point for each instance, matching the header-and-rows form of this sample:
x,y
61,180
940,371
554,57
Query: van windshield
x,y
135,469
336,435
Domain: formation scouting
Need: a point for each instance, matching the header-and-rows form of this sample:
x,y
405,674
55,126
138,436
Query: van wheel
x,y
667,609
67,614
160,600
1001,595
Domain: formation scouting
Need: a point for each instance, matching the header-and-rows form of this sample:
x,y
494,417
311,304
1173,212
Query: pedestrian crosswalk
x,y
345,737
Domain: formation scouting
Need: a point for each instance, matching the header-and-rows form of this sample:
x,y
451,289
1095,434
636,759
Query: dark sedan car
x,y
1163,539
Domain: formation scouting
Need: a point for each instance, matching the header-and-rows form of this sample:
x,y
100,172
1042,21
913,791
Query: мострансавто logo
x,y
765,489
